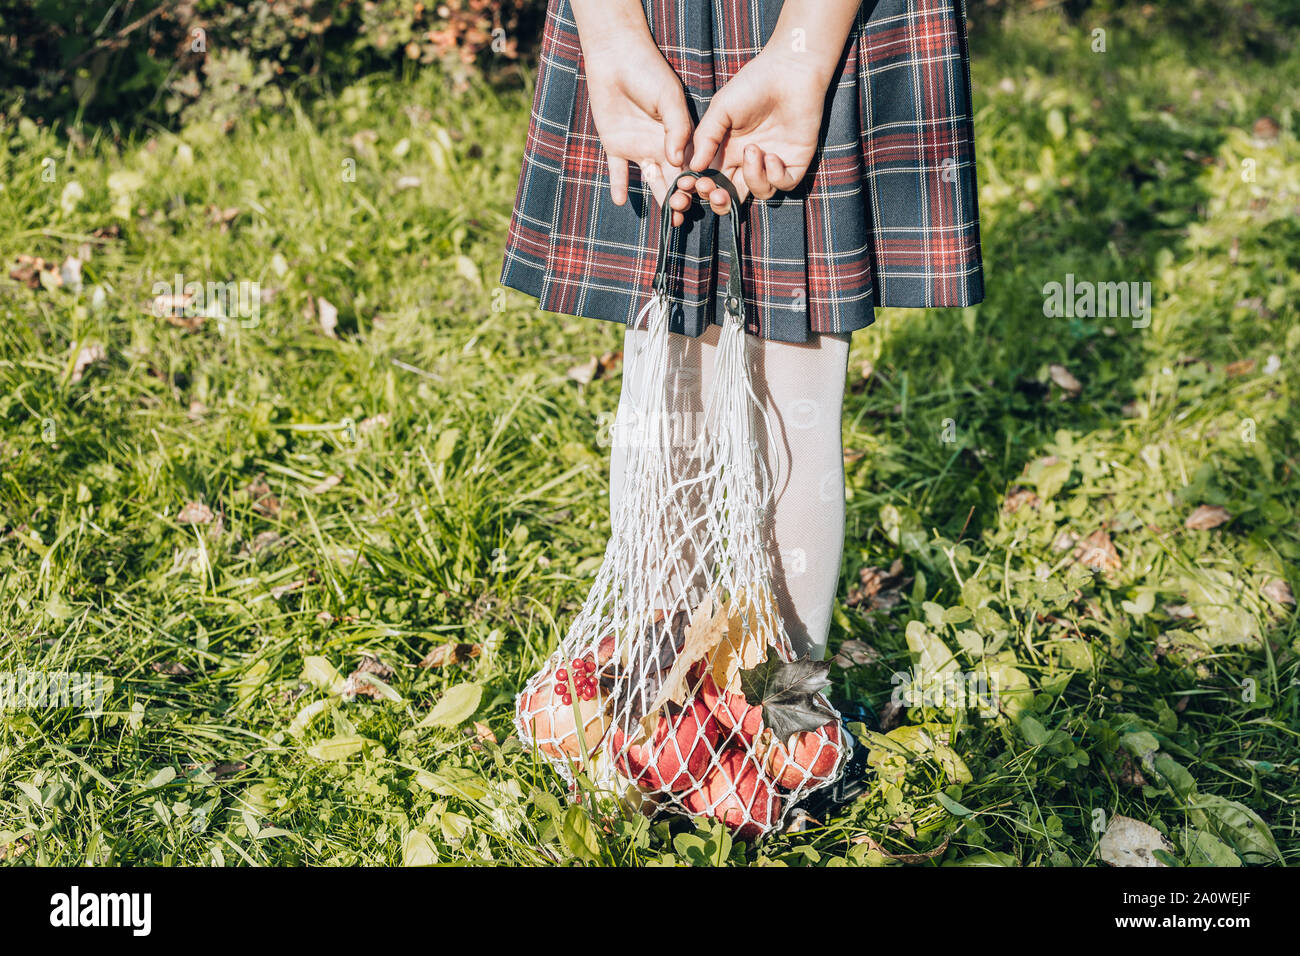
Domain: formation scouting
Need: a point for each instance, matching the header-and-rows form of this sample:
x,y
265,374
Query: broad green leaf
x,y
579,835
1235,824
418,850
1204,849
450,780
338,748
164,776
321,674
456,706
951,805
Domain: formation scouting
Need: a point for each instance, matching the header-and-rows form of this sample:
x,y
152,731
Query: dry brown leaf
x,y
1240,367
1276,589
740,650
1206,517
703,634
264,502
172,669
450,653
327,315
483,732
88,356
356,685
585,373
877,589
1017,498
903,857
195,512
281,590
891,715
1266,128
12,851
1098,552
1062,377
1065,540
326,485
855,653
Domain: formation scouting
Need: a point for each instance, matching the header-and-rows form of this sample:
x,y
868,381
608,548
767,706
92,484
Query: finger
x,y
653,177
709,134
680,201
756,174
618,176
778,174
677,128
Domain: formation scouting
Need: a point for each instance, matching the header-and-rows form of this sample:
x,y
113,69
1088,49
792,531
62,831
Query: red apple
x,y
551,723
809,759
676,757
736,792
733,712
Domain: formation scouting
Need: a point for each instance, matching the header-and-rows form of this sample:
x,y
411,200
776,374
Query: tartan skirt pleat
x,y
886,216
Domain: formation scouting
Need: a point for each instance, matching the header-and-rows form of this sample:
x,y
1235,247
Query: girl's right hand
x,y
640,111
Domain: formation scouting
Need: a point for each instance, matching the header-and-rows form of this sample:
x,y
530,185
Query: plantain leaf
x,y
788,694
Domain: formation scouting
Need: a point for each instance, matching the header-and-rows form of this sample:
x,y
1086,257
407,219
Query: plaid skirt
x,y
886,215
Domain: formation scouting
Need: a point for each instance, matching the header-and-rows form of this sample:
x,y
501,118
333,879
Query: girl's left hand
x,y
761,129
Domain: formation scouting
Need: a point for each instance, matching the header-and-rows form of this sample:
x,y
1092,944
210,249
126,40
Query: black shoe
x,y
852,782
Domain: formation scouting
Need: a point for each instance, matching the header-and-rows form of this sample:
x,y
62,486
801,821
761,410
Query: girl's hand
x,y
640,111
761,129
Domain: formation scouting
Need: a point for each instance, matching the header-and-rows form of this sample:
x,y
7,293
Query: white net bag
x,y
676,685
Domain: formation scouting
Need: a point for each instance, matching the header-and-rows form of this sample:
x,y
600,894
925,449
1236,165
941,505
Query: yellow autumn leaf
x,y
703,634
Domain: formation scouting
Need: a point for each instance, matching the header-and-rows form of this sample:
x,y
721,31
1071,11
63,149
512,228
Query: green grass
x,y
471,501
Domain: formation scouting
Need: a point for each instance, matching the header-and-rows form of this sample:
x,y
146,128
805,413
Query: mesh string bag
x,y
676,685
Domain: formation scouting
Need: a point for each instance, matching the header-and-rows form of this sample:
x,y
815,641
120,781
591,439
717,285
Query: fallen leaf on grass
x,y
357,683
455,707
1062,377
1017,498
1275,589
1206,517
1129,842
329,482
595,367
891,715
903,857
1098,552
281,590
855,653
327,315
222,217
450,653
195,512
264,502
172,669
878,590
12,851
28,269
88,356
1240,367
1266,128
483,732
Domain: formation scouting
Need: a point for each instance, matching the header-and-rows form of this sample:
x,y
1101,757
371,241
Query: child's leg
x,y
803,387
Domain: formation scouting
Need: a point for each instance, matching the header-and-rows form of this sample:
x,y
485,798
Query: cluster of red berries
x,y
584,680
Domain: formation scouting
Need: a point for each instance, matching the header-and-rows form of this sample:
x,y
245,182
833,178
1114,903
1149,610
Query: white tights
x,y
802,385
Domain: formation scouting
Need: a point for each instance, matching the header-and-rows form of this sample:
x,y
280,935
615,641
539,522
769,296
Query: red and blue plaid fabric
x,y
886,216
